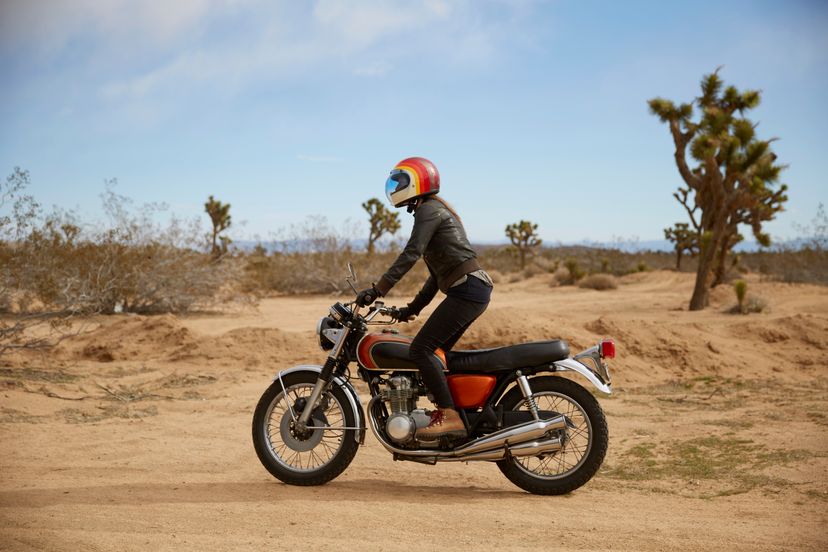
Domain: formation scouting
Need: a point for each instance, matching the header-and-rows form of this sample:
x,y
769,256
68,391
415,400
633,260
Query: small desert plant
x,y
747,304
599,282
642,266
740,287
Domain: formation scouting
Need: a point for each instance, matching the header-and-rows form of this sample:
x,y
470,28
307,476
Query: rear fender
x,y
345,385
572,365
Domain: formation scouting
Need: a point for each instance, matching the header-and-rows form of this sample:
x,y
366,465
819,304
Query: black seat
x,y
525,355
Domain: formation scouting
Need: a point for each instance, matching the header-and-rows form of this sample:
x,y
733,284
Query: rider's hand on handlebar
x,y
402,314
367,296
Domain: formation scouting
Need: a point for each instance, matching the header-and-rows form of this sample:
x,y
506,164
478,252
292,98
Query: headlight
x,y
327,330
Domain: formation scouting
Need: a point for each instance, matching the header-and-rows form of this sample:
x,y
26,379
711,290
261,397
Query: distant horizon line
x,y
627,246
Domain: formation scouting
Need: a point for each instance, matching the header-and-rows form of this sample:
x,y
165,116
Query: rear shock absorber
x,y
529,398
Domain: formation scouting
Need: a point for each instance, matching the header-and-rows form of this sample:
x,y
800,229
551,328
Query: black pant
x,y
443,328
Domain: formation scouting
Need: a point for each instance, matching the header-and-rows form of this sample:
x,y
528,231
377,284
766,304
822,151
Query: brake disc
x,y
301,441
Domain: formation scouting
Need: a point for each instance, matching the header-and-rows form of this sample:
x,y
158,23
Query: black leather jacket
x,y
440,239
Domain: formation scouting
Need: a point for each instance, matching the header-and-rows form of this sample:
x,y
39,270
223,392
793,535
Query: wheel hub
x,y
298,439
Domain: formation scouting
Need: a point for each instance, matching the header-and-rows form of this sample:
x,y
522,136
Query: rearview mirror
x,y
351,278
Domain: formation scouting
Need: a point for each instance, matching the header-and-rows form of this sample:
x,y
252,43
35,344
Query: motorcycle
x,y
547,433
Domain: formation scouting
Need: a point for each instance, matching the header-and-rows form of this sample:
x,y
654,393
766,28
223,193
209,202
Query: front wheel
x,y
584,445
304,457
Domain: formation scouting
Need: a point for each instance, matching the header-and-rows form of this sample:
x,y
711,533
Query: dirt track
x,y
137,435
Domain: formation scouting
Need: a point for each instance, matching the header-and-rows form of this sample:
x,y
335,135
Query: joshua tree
x,y
381,221
685,240
524,238
220,218
735,177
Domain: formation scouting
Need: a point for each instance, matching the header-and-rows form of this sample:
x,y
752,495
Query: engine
x,y
403,420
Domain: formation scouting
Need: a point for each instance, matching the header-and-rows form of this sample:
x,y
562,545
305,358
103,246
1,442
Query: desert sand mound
x,y
131,338
141,338
248,345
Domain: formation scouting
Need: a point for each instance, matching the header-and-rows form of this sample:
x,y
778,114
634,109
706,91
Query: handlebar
x,y
379,308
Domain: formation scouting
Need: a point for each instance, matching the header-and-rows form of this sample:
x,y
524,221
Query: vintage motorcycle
x,y
546,433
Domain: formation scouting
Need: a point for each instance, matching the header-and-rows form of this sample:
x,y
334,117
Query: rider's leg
x,y
443,328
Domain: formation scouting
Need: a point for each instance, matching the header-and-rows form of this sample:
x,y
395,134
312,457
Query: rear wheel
x,y
584,445
310,456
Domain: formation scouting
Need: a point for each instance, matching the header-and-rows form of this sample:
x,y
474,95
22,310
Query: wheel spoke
x,y
577,443
309,450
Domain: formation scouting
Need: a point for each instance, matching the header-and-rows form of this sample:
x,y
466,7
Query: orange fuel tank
x,y
470,391
389,352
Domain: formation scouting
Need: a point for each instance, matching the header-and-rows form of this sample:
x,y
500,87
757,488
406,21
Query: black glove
x,y
402,314
367,296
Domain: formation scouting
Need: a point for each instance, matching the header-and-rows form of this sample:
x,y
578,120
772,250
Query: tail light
x,y
607,348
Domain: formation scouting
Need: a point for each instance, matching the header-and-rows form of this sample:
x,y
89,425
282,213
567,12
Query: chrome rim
x,y
303,451
578,442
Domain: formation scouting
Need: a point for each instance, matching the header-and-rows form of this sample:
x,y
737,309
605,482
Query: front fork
x,y
324,379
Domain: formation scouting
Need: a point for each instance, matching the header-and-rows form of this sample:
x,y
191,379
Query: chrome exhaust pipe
x,y
537,447
490,447
512,436
533,448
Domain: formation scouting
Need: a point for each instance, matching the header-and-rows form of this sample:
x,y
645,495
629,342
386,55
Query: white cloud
x,y
144,50
46,28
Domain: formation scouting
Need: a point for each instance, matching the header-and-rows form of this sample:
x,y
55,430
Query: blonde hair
x,y
449,207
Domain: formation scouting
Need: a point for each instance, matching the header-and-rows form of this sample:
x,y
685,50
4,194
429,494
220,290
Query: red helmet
x,y
412,178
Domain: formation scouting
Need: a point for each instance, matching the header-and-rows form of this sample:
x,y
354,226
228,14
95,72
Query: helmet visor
x,y
397,182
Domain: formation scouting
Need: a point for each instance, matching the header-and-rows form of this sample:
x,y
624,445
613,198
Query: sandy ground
x,y
136,434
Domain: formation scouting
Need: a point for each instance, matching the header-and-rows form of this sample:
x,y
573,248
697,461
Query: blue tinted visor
x,y
397,182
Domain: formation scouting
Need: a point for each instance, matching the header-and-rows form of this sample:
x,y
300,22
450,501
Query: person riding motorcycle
x,y
439,237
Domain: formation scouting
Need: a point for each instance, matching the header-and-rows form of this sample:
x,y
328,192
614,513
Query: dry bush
x,y
131,263
805,260
599,282
786,264
752,304
499,258
312,257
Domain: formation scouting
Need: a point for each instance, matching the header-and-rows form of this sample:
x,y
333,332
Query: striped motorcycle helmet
x,y
412,178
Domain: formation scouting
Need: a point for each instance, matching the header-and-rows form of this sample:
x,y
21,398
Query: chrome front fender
x,y
345,385
572,365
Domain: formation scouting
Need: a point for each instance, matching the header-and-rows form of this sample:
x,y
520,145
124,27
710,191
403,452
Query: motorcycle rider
x,y
439,237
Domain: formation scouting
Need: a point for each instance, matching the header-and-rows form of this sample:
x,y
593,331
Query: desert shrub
x,y
130,263
746,304
312,257
642,266
560,276
755,304
600,282
574,269
499,258
803,260
532,270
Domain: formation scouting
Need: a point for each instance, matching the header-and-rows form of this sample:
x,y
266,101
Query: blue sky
x,y
284,108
